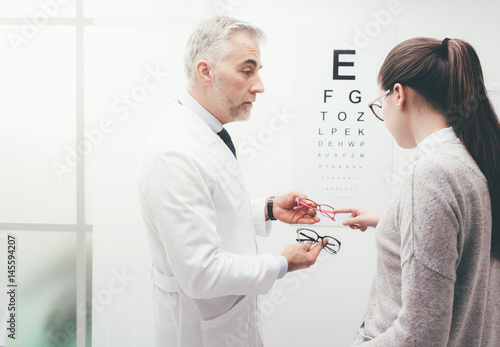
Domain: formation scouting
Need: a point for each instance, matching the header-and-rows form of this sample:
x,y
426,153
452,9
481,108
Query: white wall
x,y
318,307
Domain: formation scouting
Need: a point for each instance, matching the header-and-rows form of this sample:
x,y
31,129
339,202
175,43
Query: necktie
x,y
224,135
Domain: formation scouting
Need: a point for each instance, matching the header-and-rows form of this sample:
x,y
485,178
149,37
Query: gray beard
x,y
235,111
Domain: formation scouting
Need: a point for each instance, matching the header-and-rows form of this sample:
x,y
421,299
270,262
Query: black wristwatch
x,y
270,204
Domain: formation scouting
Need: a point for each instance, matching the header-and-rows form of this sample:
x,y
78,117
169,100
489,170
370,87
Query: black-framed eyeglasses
x,y
307,235
376,106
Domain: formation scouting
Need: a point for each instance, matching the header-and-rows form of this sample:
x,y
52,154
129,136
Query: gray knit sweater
x,y
435,284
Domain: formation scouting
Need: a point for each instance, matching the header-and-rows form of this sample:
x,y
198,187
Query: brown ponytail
x,y
448,75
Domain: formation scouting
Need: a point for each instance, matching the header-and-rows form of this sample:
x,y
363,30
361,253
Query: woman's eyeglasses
x,y
376,106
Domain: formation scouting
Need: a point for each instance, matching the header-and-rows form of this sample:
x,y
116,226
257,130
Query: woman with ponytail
x,y
437,281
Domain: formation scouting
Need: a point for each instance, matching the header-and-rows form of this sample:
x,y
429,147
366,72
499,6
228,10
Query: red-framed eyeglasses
x,y
325,210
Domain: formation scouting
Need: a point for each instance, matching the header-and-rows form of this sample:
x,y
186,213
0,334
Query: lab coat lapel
x,y
206,135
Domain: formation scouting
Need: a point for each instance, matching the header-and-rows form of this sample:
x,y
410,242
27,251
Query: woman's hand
x,y
361,218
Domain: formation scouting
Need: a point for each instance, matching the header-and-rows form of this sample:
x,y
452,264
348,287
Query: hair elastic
x,y
444,45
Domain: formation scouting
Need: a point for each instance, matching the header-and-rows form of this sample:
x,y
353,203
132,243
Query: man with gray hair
x,y
200,222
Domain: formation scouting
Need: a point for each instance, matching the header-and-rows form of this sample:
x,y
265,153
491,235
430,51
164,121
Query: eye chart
x,y
342,153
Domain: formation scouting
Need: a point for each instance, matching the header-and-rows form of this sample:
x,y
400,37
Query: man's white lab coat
x,y
201,227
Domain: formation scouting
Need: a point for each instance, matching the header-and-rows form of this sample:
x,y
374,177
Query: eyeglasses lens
x,y
332,246
305,235
327,210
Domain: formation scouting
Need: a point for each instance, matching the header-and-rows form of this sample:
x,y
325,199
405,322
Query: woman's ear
x,y
400,95
204,72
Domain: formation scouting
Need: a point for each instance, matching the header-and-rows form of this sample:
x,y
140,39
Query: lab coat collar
x,y
201,130
193,105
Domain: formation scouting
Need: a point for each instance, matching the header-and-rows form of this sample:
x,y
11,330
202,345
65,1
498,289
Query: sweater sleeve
x,y
433,219
425,317
429,226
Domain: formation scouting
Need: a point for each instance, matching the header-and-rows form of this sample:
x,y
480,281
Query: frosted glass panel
x,y
45,291
37,136
36,11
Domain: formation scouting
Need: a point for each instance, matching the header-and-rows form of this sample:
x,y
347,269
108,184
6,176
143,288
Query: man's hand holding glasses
x,y
308,236
296,208
285,211
301,255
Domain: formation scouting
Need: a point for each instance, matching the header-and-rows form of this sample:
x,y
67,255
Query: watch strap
x,y
270,204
